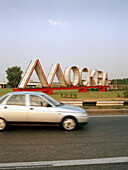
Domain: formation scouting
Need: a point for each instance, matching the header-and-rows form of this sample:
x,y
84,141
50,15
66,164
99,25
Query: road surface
x,y
102,138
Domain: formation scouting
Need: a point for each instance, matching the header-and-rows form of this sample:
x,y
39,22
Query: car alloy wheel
x,y
69,124
2,124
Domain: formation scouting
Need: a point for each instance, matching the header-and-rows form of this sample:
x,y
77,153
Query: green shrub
x,y
118,95
126,94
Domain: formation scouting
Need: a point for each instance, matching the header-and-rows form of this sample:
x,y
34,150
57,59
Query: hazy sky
x,y
85,33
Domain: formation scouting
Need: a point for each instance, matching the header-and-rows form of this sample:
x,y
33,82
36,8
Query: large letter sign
x,y
34,64
56,69
86,81
72,76
76,75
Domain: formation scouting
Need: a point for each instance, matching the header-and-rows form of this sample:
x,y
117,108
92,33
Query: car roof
x,y
26,92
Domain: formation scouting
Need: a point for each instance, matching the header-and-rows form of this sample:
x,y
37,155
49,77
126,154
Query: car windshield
x,y
3,98
51,100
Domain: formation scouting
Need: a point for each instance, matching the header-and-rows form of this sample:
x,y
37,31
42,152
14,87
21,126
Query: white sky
x,y
85,33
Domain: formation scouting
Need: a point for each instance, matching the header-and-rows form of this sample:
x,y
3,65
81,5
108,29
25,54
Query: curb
x,y
107,111
105,103
76,103
97,103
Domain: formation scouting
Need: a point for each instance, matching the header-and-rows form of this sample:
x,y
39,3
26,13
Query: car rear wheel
x,y
2,124
69,124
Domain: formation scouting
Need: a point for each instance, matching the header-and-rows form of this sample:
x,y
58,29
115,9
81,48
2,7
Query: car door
x,y
41,111
15,109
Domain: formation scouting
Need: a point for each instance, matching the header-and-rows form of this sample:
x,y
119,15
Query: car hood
x,y
70,108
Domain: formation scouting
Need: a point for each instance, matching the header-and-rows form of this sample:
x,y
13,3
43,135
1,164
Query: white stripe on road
x,y
64,163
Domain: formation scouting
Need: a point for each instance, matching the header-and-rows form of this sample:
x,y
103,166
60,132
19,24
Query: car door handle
x,y
5,107
31,108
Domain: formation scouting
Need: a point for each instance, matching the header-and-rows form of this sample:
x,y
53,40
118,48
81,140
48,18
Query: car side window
x,y
16,100
37,101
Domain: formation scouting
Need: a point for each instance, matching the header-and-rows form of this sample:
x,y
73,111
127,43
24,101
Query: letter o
x,y
83,82
76,75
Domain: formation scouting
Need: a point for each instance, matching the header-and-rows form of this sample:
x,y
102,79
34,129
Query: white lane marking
x,y
64,163
109,116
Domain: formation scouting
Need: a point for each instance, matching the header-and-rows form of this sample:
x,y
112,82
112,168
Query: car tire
x,y
69,123
3,124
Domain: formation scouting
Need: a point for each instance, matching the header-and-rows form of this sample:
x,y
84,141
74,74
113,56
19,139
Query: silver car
x,y
37,108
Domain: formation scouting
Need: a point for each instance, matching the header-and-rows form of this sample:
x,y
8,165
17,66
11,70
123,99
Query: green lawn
x,y
105,107
89,96
75,95
4,91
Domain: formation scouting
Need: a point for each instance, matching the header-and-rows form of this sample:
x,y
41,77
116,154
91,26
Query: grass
x,y
75,95
89,96
105,107
4,91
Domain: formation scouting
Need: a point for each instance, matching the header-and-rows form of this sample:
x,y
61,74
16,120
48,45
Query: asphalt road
x,y
102,137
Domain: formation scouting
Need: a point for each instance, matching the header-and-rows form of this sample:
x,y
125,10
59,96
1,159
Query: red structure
x,y
50,90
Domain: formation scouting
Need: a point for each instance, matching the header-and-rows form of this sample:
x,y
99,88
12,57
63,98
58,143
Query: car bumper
x,y
82,119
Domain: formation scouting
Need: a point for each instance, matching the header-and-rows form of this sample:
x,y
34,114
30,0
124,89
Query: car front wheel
x,y
2,124
69,124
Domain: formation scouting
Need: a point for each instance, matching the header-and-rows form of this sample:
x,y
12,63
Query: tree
x,y
14,76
